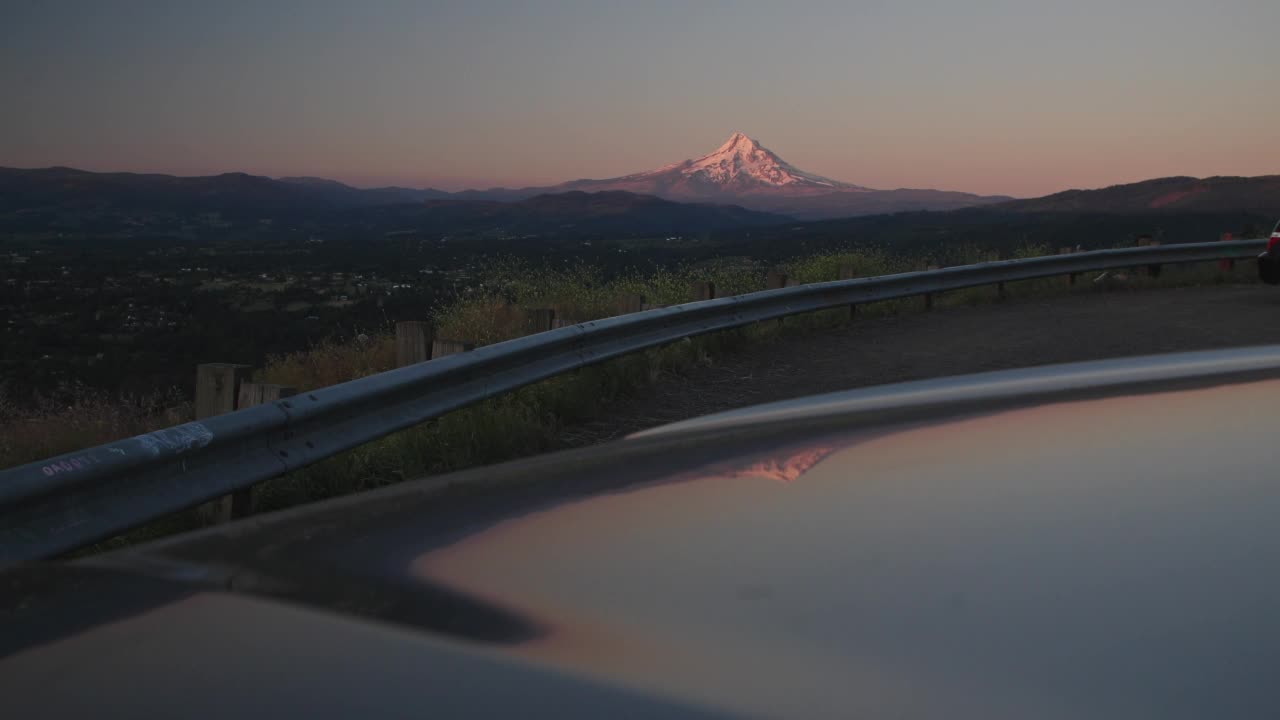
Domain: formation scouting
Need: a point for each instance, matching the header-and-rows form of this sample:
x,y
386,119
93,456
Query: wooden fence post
x,y
849,272
776,280
629,303
413,342
1071,277
704,290
240,503
928,297
218,387
441,347
252,393
1154,269
218,392
541,320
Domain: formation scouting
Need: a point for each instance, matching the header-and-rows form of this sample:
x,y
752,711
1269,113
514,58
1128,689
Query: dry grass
x,y
76,417
331,362
530,420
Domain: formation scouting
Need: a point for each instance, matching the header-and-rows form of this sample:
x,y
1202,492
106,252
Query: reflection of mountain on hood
x,y
784,469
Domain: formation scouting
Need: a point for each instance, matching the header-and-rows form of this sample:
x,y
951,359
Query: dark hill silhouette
x,y
612,213
1172,194
232,194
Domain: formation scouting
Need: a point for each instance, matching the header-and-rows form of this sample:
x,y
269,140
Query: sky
x,y
1016,97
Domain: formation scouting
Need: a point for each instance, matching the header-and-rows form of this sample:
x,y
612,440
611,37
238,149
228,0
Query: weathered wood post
x,y
218,392
253,393
703,290
850,272
1071,277
994,256
629,303
218,387
441,347
776,280
928,297
540,320
1154,269
413,342
240,503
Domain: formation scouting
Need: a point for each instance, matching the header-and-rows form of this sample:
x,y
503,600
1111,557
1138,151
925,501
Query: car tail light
x,y
1274,243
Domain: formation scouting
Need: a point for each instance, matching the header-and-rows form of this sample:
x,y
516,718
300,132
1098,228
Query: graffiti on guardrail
x,y
71,464
180,439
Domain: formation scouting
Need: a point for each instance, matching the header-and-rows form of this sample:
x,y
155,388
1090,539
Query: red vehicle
x,y
1269,260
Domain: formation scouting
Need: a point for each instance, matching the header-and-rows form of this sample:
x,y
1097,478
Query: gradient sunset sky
x,y
1017,97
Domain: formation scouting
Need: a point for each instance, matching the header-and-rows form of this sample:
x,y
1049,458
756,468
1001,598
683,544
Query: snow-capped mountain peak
x,y
741,167
743,172
737,142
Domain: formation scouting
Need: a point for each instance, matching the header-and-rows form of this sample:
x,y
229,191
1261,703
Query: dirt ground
x,y
955,341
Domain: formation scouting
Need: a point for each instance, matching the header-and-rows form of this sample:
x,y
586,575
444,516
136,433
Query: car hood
x,y
1093,540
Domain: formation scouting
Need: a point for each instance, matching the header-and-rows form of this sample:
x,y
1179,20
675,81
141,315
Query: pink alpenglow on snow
x,y
741,166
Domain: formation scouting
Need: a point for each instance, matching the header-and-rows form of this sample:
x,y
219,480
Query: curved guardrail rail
x,y
65,502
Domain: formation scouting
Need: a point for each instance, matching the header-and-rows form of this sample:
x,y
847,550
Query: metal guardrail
x,y
56,505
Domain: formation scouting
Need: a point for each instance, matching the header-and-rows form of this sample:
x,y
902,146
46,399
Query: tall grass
x,y
533,419
75,417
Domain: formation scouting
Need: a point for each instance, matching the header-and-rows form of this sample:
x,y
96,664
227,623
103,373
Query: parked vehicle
x,y
1269,260
1094,540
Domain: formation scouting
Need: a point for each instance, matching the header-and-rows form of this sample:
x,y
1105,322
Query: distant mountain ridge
x,y
744,172
369,196
741,167
68,199
761,190
1186,194
228,193
615,213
